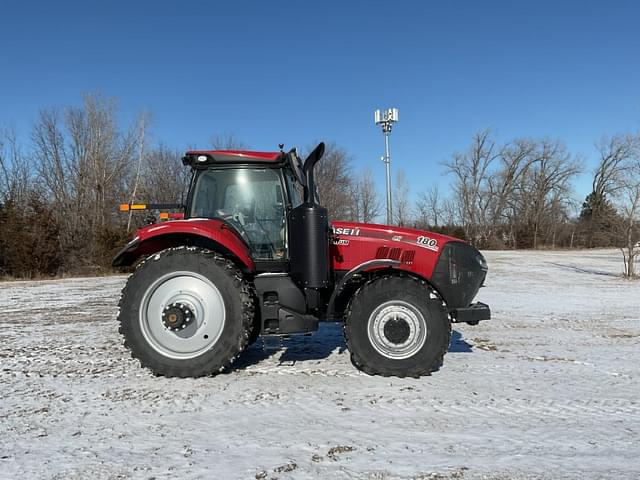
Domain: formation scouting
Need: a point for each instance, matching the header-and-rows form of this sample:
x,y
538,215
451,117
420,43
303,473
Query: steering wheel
x,y
236,223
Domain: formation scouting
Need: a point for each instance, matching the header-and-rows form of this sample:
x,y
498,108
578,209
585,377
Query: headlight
x,y
482,261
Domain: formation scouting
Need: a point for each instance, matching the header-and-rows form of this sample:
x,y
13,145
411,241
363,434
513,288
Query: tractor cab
x,y
251,191
252,200
269,199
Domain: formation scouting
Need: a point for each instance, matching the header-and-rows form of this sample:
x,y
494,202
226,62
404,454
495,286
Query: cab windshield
x,y
250,200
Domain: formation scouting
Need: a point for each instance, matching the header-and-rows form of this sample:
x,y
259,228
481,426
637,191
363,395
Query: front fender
x,y
363,267
206,233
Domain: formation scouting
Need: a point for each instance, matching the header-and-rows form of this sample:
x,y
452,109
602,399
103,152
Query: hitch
x,y
472,314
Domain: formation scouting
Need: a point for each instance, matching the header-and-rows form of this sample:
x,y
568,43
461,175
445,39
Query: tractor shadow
x,y
329,339
321,344
459,344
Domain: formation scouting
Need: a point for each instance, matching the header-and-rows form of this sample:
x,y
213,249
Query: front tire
x,y
397,326
186,312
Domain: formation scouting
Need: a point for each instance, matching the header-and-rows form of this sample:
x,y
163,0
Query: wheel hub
x,y
182,315
397,330
177,316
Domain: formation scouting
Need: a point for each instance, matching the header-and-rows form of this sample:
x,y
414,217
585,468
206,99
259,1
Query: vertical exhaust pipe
x,y
309,233
309,164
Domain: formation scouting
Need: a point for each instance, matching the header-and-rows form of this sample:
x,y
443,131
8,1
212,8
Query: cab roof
x,y
208,157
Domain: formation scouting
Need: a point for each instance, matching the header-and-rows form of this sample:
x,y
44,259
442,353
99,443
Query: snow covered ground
x,y
547,389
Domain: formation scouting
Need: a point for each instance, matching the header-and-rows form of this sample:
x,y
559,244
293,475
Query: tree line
x,y
60,191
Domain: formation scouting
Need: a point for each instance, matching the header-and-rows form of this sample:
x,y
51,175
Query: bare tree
x,y
51,157
471,171
429,208
631,215
141,144
28,226
515,160
629,194
227,141
401,202
84,162
616,182
165,178
512,194
99,159
450,212
14,172
616,153
54,170
545,189
368,201
335,184
598,213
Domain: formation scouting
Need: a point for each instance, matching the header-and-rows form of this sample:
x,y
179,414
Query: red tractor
x,y
256,255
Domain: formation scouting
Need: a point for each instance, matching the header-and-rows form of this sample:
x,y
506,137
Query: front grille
x,y
459,273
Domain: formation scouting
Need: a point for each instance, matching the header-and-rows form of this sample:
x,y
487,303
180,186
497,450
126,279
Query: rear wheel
x,y
397,326
186,312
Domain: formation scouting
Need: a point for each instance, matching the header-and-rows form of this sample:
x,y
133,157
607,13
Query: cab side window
x,y
295,190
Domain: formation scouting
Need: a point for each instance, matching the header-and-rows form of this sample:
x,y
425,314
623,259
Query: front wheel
x,y
186,312
397,326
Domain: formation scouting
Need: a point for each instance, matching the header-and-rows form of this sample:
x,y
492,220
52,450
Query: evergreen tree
x,y
599,221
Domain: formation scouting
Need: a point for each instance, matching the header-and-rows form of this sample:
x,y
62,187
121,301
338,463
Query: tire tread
x,y
379,285
199,366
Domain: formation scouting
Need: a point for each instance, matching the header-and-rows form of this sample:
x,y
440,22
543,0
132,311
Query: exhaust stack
x,y
309,233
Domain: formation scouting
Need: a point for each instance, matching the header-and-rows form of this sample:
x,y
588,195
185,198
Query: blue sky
x,y
294,72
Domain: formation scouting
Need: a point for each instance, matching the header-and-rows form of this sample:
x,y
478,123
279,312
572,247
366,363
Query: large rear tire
x,y
397,326
186,312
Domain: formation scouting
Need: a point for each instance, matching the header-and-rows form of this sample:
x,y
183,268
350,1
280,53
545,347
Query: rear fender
x,y
211,234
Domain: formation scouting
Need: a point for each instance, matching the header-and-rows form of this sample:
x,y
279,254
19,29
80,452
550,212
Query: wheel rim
x,y
192,293
397,330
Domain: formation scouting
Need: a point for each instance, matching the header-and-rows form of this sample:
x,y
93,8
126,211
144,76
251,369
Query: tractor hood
x,y
388,233
455,268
